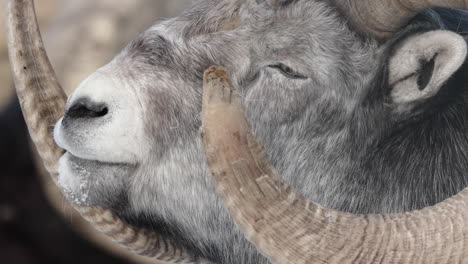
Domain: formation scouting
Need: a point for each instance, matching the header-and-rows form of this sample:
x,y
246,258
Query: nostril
x,y
84,108
103,112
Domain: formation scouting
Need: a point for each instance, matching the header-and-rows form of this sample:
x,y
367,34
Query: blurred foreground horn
x,y
288,229
43,101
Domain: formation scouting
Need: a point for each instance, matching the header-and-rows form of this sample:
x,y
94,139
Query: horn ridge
x,y
31,68
382,18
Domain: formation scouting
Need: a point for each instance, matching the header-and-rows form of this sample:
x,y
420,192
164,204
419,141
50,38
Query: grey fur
x,y
333,136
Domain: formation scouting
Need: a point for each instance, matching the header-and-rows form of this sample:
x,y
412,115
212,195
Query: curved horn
x,y
43,100
382,18
288,229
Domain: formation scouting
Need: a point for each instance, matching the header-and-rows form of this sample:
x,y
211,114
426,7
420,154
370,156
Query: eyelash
x,y
288,71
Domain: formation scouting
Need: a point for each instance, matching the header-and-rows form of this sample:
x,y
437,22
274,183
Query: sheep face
x,y
312,90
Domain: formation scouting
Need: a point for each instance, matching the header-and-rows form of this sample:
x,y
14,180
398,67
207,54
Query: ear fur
x,y
421,64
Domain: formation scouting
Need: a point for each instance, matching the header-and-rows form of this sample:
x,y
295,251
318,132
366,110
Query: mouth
x,y
83,162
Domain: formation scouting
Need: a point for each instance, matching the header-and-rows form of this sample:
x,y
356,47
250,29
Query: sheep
x,y
352,117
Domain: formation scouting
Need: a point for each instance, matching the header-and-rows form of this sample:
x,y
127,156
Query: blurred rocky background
x,y
36,224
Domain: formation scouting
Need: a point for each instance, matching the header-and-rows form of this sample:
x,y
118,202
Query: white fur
x,y
112,139
74,186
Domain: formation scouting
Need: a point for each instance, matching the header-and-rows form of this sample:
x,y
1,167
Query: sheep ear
x,y
421,65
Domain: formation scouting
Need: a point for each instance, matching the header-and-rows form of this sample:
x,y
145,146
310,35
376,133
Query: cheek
x,y
275,101
171,116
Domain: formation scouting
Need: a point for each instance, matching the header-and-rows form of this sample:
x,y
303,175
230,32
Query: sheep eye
x,y
288,71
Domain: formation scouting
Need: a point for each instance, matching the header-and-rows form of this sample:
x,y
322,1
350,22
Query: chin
x,y
93,183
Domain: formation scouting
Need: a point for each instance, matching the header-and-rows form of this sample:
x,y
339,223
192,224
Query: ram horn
x,y
43,100
382,18
288,229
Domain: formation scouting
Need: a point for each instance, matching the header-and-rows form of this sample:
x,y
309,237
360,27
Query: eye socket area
x,y
288,71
